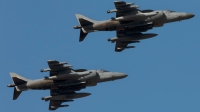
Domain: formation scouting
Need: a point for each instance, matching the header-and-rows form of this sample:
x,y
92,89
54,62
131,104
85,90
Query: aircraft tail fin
x,y
16,93
17,80
82,35
83,21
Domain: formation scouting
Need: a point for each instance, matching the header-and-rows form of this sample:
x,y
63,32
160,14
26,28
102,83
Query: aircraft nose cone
x,y
189,15
120,75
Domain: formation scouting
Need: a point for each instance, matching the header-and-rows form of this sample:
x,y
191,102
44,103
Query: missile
x,y
112,11
130,37
69,76
66,97
135,17
47,98
45,70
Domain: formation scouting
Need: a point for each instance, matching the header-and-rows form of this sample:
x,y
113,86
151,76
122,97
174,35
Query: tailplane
x,y
83,21
17,80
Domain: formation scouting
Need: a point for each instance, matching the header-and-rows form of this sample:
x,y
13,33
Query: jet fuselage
x,y
95,76
157,20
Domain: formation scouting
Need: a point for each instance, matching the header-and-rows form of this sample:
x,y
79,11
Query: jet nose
x,y
189,15
119,75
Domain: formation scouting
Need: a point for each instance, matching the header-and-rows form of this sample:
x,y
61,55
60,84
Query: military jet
x,y
129,23
63,82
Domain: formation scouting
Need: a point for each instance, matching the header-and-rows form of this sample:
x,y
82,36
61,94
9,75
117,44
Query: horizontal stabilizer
x,y
84,21
17,79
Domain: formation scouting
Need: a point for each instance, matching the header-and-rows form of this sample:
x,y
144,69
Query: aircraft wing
x,y
54,104
63,90
124,8
123,44
56,67
125,37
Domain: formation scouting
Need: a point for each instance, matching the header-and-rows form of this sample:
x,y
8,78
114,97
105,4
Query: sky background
x,y
164,71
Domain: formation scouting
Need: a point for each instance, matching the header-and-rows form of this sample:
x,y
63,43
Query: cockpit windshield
x,y
101,70
169,11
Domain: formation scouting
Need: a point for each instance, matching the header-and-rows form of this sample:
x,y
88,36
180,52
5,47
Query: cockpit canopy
x,y
169,11
101,71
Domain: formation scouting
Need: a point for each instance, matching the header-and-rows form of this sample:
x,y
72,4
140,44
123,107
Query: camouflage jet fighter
x,y
63,82
129,23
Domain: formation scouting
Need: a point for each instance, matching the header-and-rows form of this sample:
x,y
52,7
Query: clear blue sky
x,y
164,72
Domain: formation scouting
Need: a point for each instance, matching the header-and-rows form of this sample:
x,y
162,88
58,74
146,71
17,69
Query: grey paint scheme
x,y
129,20
63,89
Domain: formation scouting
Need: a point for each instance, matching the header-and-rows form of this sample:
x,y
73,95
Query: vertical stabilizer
x,y
82,35
16,93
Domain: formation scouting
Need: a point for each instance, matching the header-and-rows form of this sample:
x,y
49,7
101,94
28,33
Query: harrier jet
x,y
129,23
63,82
